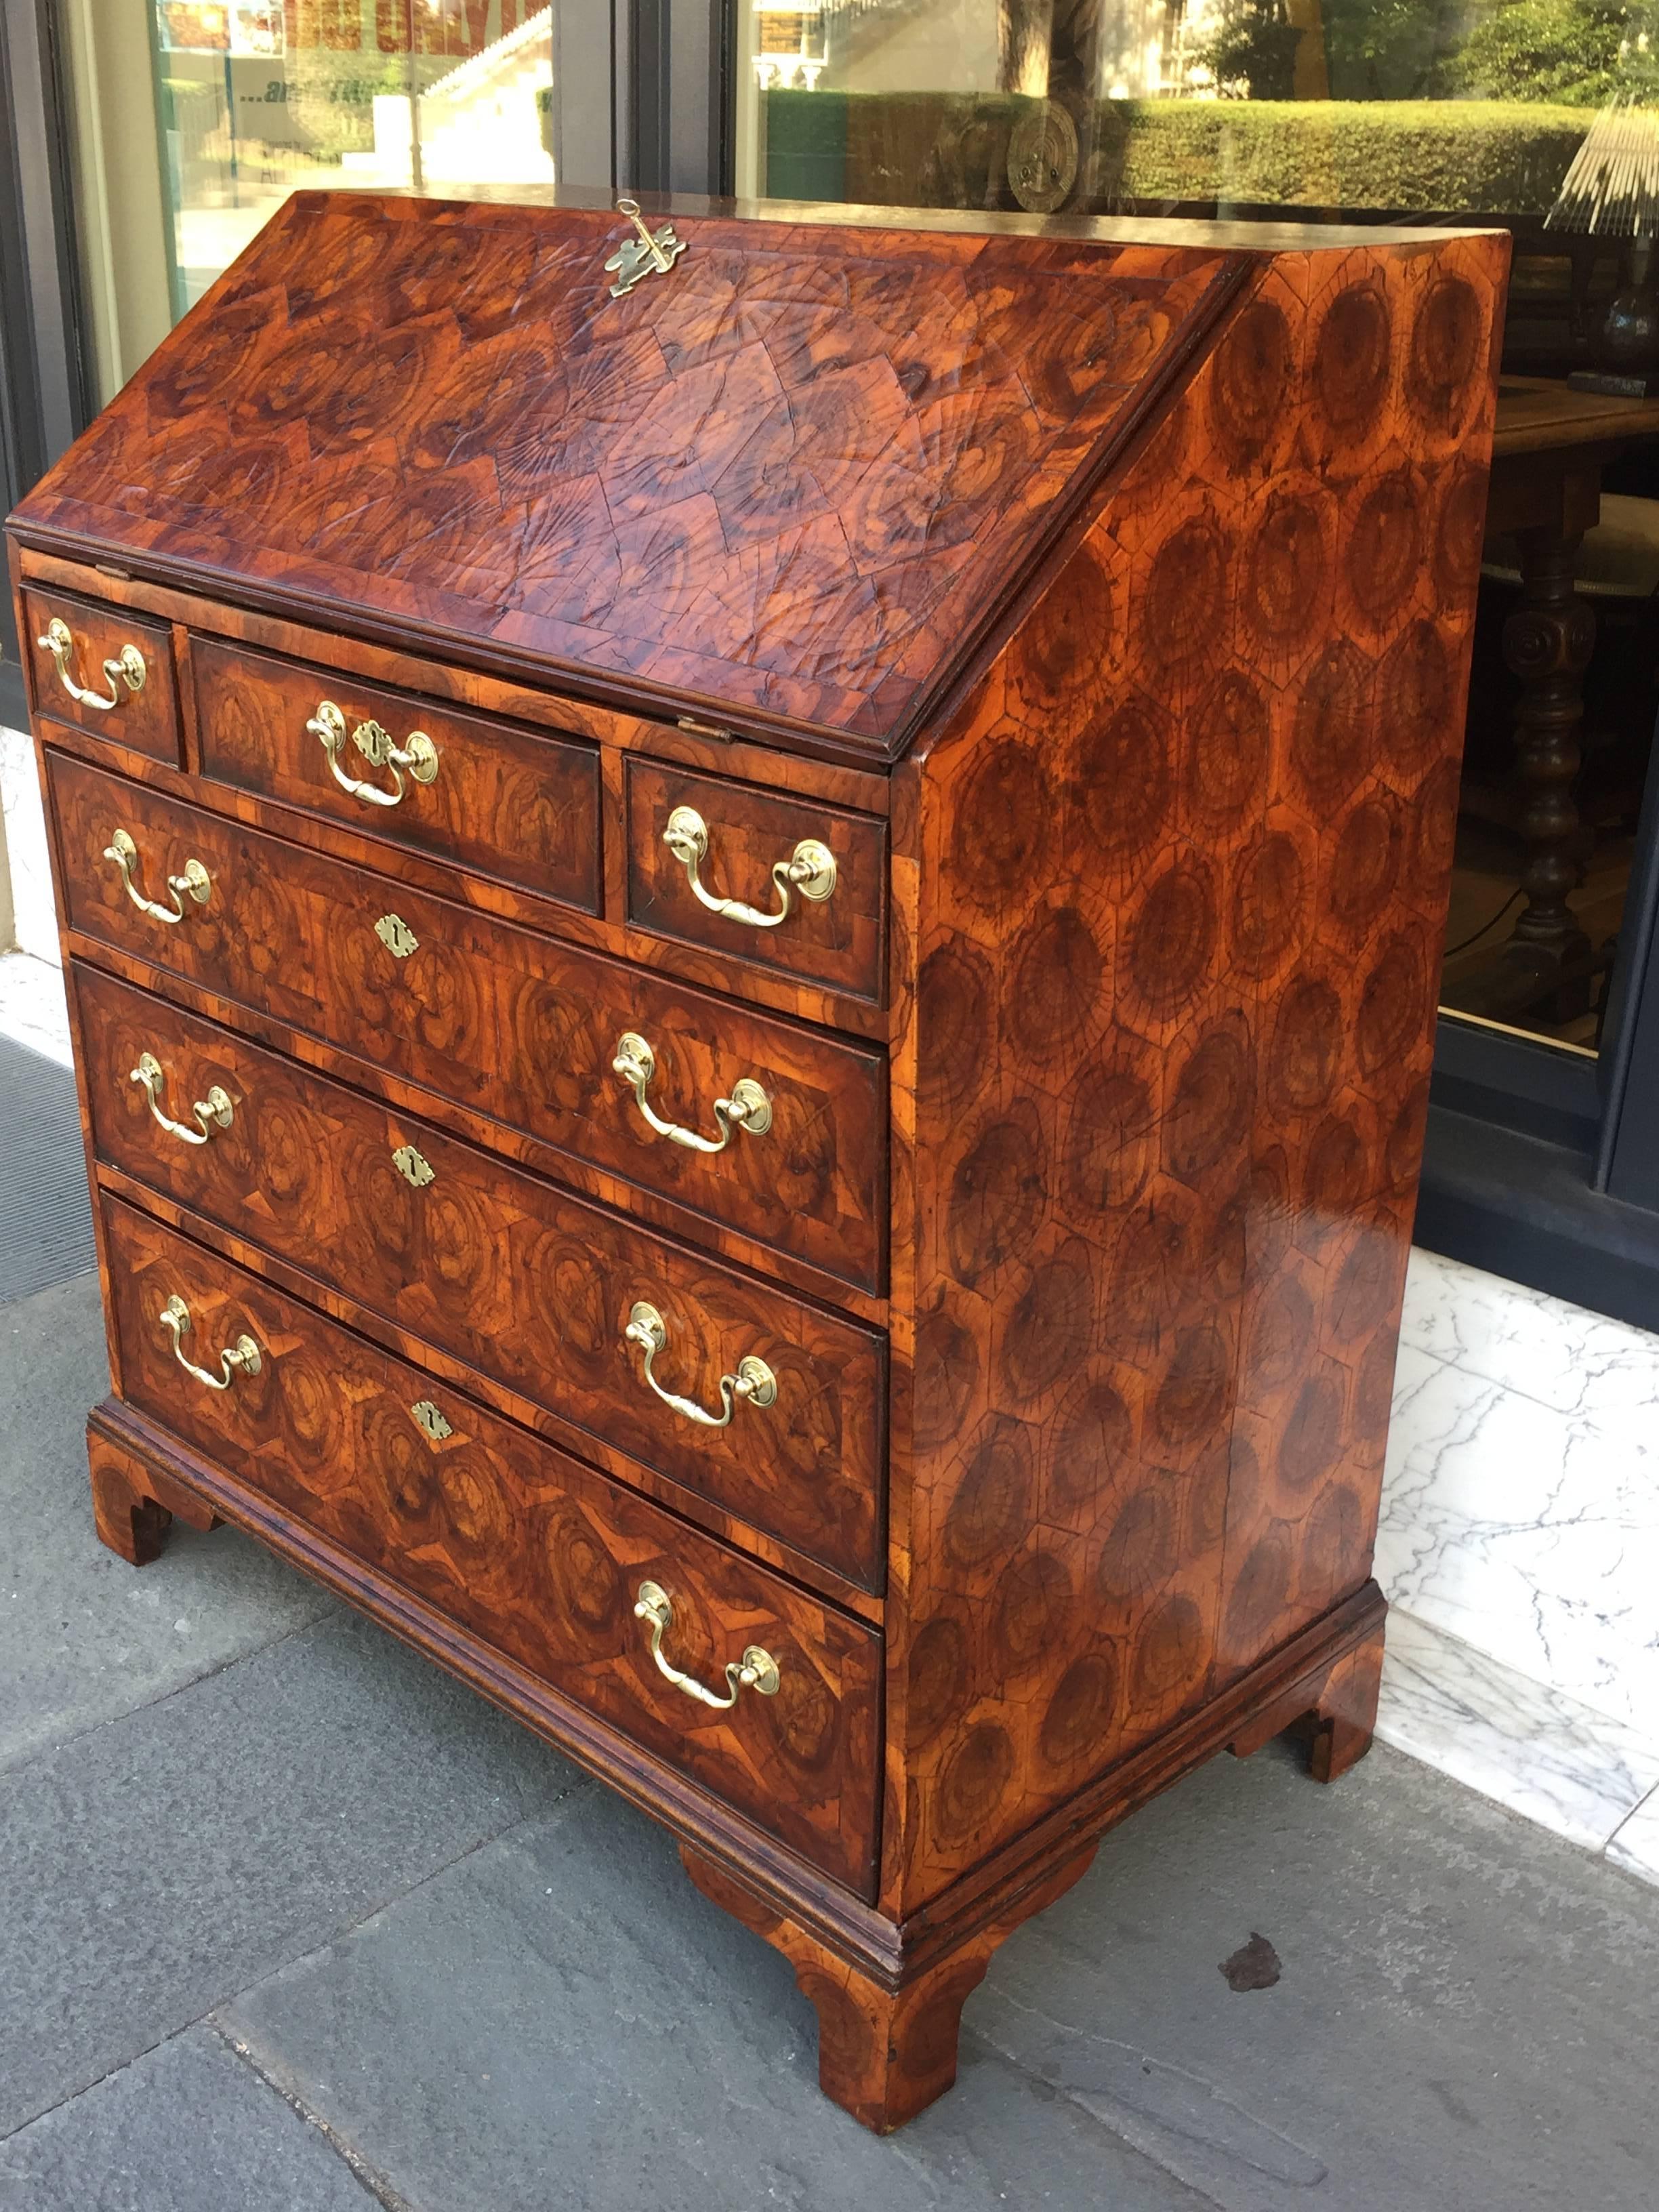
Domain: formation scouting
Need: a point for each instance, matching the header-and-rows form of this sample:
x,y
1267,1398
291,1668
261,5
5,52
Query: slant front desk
x,y
753,909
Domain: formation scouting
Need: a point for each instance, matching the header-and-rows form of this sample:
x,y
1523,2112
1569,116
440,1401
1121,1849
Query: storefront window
x,y
260,98
1358,110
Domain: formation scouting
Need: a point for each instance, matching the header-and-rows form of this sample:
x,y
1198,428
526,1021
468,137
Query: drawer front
x,y
120,667
503,1270
499,800
502,1020
532,1551
835,939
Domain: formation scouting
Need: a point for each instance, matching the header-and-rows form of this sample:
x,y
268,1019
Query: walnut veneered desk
x,y
752,948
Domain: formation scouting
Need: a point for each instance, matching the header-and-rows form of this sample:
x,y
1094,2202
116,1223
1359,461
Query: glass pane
x,y
1359,110
259,98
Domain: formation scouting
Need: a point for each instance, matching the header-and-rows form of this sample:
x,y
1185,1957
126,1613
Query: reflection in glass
x,y
1358,110
260,98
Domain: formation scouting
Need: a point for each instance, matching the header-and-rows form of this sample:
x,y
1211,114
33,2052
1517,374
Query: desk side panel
x,y
1182,867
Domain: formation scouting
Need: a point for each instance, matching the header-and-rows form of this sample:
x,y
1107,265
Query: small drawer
x,y
775,880
529,1284
570,1574
540,1035
497,798
104,670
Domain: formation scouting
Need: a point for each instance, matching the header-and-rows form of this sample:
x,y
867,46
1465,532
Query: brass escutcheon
x,y
414,1167
642,254
395,933
429,1421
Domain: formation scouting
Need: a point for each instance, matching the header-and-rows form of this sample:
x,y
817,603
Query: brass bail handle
x,y
242,1358
810,870
127,668
213,1112
417,755
756,1670
754,1380
748,1108
195,884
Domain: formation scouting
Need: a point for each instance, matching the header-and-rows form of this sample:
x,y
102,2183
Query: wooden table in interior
x,y
1551,448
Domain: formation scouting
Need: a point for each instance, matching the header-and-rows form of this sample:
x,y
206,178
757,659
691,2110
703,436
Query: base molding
x,y
888,1987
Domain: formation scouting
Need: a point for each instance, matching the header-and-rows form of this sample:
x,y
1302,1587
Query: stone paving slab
x,y
83,1635
608,2039
158,1864
1464,2019
187,2128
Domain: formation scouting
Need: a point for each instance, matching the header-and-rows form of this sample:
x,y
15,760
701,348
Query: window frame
x,y
44,388
1541,1164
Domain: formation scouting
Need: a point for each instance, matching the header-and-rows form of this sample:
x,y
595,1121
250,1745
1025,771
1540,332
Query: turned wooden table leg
x,y
1547,643
885,2050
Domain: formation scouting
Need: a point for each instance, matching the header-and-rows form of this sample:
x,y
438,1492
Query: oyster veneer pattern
x,y
1182,868
1128,575
786,481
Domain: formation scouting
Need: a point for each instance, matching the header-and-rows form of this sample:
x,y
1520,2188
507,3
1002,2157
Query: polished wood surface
x,y
782,483
1546,414
146,720
503,802
517,1541
522,1028
499,1267
1077,1243
1179,902
839,941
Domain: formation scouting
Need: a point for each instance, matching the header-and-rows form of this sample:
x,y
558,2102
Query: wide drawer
x,y
110,672
722,864
539,1556
502,1020
503,1270
496,798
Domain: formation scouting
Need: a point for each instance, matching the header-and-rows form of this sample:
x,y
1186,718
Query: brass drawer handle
x,y
127,667
810,870
756,1670
419,757
748,1108
195,883
242,1358
213,1112
754,1379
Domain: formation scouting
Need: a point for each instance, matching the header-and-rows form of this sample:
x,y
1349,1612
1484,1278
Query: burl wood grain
x,y
790,476
148,718
515,1024
509,1272
1180,875
517,1540
839,941
504,802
